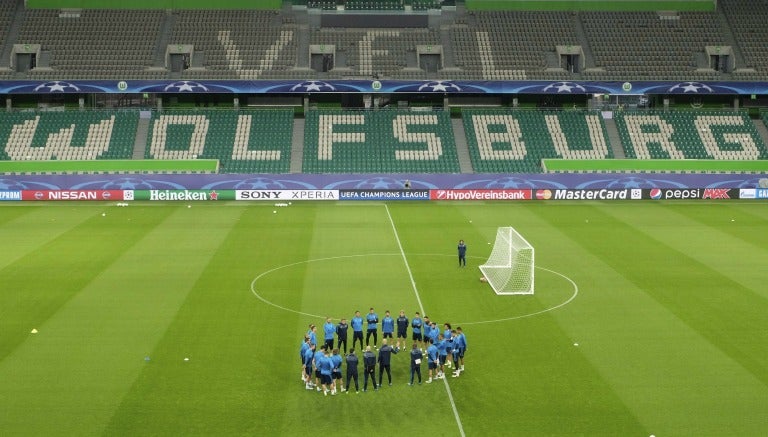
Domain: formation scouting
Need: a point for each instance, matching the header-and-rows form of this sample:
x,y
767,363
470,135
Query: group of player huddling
x,y
441,349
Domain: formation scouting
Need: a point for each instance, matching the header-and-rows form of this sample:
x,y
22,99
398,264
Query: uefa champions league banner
x,y
446,86
310,185
345,187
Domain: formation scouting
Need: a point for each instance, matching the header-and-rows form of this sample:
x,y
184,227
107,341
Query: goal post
x,y
509,268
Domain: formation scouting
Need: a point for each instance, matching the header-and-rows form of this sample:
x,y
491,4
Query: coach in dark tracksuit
x,y
352,369
369,366
385,355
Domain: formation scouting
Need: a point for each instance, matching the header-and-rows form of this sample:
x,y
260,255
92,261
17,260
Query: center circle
x,y
566,298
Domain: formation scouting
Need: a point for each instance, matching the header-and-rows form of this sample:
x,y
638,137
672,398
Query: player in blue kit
x,y
448,336
325,365
319,355
302,350
459,347
432,358
309,356
373,329
312,334
357,329
402,328
338,382
442,355
329,329
416,325
427,329
387,326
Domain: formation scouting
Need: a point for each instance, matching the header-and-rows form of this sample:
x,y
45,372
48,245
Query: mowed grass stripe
x,y
650,328
26,228
39,283
380,280
728,239
70,377
520,371
702,284
243,353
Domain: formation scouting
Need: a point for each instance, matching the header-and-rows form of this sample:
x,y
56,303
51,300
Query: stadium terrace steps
x,y
462,148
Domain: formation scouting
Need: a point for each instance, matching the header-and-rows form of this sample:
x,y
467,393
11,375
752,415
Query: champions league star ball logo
x,y
7,184
510,182
127,184
379,183
564,87
57,87
260,184
691,87
313,85
186,86
439,86
631,182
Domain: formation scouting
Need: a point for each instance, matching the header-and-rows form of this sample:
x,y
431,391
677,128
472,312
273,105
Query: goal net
x,y
509,269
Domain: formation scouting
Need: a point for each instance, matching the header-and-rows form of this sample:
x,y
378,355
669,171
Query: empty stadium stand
x,y
650,46
256,141
236,44
384,52
476,45
71,135
379,141
93,44
504,141
747,20
511,45
723,135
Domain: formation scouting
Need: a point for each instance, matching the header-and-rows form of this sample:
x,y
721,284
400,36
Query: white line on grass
x,y
421,307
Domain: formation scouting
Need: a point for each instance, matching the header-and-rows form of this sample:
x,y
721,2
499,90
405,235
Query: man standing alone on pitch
x,y
357,329
373,319
462,254
369,368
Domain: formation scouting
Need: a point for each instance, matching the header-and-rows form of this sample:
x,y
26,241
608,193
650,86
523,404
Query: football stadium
x,y
558,204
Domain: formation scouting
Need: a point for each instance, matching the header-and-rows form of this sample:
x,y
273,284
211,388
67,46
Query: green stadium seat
x,y
389,141
701,134
243,141
504,141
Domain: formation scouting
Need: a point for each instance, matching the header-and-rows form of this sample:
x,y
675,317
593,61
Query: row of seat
x,y
498,140
690,135
521,45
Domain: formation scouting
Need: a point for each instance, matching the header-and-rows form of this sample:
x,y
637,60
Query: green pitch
x,y
648,318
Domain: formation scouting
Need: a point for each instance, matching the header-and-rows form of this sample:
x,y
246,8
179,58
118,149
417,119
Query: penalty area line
x,y
421,307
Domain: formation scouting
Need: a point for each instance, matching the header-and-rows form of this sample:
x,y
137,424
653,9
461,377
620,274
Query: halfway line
x,y
421,307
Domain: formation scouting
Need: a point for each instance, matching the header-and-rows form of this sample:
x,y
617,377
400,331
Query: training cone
x,y
33,331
